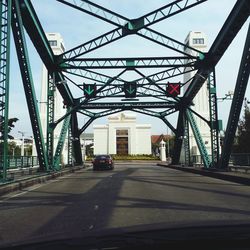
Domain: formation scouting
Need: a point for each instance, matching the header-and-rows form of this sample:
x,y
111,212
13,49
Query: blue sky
x,y
77,27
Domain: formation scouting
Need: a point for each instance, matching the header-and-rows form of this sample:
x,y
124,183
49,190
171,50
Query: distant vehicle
x,y
103,162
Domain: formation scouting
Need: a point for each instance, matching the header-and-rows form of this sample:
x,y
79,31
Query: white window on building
x,y
198,40
53,43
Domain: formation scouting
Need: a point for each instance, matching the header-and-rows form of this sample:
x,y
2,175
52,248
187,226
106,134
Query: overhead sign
x,y
130,89
173,89
89,90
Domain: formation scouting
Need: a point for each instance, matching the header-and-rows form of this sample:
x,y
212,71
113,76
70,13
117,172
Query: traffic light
x,y
173,89
89,90
130,89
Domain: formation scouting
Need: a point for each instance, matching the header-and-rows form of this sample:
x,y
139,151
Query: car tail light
x,y
110,161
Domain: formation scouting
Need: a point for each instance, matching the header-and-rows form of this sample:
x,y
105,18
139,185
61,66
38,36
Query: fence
x,y
22,162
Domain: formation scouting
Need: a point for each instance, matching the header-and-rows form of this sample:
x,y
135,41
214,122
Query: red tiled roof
x,y
158,138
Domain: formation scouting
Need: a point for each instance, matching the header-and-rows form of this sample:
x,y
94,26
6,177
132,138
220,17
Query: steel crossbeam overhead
x,y
128,105
128,63
135,26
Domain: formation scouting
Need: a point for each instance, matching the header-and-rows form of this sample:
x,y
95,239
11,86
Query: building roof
x,y
155,139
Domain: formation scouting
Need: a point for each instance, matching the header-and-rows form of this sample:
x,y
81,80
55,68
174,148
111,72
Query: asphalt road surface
x,y
135,196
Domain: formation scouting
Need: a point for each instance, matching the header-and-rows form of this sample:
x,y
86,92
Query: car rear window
x,y
102,156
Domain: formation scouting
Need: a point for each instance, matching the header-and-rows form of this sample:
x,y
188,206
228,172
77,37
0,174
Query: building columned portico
x,y
122,136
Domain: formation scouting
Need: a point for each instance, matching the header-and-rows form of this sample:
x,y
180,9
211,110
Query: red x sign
x,y
173,89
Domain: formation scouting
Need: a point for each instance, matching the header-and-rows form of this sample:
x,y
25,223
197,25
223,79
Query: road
x,y
134,196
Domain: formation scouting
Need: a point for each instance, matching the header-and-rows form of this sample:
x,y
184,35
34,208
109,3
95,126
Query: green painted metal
x,y
5,22
137,26
186,142
129,63
198,139
213,111
51,87
232,25
179,135
70,146
59,148
22,53
239,94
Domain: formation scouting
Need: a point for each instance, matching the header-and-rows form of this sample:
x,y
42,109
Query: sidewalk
x,y
238,177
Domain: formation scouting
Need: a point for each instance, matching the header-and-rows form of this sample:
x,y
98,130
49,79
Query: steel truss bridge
x,y
19,18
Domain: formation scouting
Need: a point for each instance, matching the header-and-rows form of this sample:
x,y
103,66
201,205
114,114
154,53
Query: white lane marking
x,y
91,227
96,207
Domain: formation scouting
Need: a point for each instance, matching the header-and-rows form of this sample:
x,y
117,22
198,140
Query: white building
x,y
122,136
198,40
57,45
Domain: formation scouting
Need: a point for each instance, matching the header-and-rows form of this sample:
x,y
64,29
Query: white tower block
x,y
163,151
198,40
56,43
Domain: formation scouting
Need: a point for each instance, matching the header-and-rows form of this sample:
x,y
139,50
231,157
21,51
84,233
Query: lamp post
x,y
22,148
168,142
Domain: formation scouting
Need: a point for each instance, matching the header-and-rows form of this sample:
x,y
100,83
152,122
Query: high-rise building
x,y
198,40
57,45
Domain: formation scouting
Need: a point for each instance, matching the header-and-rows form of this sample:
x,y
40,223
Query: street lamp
x,y
22,148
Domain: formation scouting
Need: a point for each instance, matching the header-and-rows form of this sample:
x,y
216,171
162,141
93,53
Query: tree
x,y
11,125
243,134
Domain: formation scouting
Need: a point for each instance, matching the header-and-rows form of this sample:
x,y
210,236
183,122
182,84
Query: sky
x,y
77,27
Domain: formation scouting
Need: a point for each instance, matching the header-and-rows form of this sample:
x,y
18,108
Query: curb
x,y
217,175
30,181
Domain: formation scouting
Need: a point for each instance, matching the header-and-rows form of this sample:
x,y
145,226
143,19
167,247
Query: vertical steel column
x,y
213,110
186,142
70,146
178,138
50,117
5,9
238,98
59,148
76,139
23,58
198,139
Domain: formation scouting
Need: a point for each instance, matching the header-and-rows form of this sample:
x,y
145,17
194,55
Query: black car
x,y
103,162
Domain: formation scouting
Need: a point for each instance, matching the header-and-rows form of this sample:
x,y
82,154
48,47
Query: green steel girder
x,y
22,53
154,114
164,75
86,125
198,139
179,135
76,143
70,146
5,25
40,41
238,97
91,75
135,26
59,148
128,63
119,20
51,87
213,111
186,142
231,27
128,105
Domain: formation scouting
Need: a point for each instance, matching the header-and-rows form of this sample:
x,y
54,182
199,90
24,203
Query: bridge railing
x,y
15,162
